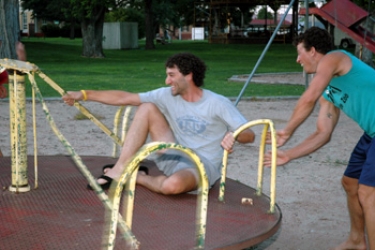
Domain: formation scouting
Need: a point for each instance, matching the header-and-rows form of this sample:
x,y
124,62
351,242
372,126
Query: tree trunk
x,y
72,29
92,34
149,29
9,28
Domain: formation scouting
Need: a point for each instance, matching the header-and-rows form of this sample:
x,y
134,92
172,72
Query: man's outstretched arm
x,y
327,120
110,97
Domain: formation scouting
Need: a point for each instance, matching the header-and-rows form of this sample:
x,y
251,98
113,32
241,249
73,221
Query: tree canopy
x,y
91,14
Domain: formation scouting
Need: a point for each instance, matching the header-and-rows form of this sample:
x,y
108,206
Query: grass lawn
x,y
142,70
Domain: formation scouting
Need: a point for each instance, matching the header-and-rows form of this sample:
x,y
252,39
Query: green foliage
x,y
50,10
141,70
128,15
54,30
367,5
88,9
262,14
65,31
51,30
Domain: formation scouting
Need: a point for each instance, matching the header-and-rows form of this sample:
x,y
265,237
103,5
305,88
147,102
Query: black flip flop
x,y
141,168
107,166
104,186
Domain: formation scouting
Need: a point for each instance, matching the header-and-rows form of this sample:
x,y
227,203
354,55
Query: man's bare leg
x,y
367,200
356,239
147,120
182,181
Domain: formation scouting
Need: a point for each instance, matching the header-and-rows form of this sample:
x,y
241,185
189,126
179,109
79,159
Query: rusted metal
x,y
268,124
18,138
62,214
129,177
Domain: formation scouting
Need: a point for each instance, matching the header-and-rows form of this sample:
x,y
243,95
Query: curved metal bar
x,y
27,68
262,147
129,177
102,196
81,108
116,122
125,122
35,139
268,124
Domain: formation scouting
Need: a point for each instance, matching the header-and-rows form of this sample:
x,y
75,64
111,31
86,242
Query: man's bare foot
x,y
350,245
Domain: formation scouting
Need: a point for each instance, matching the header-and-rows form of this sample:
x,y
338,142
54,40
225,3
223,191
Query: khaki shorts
x,y
173,161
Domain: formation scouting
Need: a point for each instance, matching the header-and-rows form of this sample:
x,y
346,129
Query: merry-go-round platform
x,y
62,214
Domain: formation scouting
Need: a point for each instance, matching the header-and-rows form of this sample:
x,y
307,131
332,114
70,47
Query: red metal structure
x,y
348,17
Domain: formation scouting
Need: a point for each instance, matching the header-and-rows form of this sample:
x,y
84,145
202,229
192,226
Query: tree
x,y
166,13
9,28
47,9
264,14
275,6
59,11
149,25
89,13
130,14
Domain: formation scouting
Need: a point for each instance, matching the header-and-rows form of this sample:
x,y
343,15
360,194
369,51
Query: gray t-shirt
x,y
200,125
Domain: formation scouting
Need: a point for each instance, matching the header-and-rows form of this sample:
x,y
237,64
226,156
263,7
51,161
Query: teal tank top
x,y
354,94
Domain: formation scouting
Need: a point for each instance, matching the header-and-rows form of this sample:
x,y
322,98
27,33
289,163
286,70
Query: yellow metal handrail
x,y
28,68
268,124
129,178
116,122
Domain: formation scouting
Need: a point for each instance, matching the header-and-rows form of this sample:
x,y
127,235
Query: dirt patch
x,y
298,78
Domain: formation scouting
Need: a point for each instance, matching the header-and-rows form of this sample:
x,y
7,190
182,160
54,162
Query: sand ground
x,y
309,191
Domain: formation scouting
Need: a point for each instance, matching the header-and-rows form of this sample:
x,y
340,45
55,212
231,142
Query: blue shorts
x,y
362,162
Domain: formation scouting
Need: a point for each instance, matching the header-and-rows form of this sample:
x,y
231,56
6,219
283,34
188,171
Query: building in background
x,y
29,25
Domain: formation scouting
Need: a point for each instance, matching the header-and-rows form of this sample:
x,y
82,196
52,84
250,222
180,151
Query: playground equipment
x,y
242,207
350,22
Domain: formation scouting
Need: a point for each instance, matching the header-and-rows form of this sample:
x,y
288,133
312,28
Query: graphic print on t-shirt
x,y
191,125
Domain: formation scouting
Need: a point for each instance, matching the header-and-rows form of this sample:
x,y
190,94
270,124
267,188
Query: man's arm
x,y
110,97
246,136
329,66
327,120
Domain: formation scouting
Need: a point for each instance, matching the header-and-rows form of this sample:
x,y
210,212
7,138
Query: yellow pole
x,y
128,178
18,138
35,142
268,125
101,194
115,128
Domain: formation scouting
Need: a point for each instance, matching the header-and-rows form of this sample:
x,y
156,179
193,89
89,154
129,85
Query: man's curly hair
x,y
188,63
315,37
